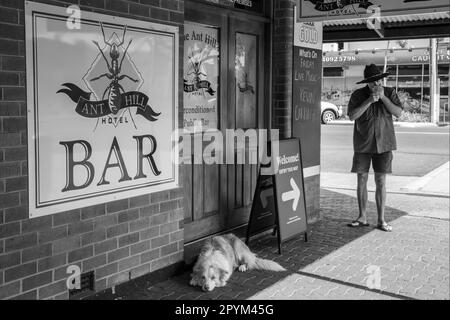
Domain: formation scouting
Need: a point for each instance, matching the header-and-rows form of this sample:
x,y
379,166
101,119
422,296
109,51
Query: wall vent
x,y
87,286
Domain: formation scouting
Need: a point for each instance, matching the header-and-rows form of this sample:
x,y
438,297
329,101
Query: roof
x,y
391,19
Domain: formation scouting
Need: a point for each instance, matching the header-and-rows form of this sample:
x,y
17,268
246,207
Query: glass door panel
x,y
246,80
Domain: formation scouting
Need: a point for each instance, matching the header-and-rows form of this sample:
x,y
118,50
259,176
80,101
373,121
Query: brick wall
x,y
283,42
119,240
283,46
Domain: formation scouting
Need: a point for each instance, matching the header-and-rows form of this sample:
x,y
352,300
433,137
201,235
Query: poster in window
x,y
201,77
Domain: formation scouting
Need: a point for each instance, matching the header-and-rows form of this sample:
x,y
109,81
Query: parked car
x,y
329,112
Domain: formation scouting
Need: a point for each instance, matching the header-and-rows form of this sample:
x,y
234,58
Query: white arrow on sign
x,y
264,195
294,194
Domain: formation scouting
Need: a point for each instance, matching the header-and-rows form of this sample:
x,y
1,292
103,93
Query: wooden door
x,y
218,196
246,97
205,49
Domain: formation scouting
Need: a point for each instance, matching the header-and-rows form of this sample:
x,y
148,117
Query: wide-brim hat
x,y
372,73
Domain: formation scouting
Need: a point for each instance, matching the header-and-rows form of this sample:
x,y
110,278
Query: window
x,y
410,70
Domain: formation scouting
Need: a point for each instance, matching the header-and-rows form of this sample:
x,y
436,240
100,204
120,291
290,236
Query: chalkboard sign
x,y
306,97
279,200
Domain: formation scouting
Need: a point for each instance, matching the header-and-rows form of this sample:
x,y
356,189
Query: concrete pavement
x,y
338,262
435,183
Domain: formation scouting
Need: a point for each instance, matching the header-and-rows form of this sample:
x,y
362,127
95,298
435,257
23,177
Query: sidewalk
x,y
337,261
435,183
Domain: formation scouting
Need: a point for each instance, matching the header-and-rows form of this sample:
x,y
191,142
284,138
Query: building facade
x,y
230,67
407,61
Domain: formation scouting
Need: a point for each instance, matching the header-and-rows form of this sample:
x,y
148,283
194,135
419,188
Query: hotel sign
x,y
322,10
102,107
247,5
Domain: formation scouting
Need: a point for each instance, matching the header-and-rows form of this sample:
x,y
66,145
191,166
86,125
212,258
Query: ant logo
x,y
114,98
195,71
242,64
322,5
114,88
195,67
246,85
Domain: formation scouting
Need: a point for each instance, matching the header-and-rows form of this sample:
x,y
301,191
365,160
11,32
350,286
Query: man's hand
x,y
379,91
373,98
391,107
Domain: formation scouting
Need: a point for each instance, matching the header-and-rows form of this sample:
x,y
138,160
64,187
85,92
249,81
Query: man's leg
x,y
380,196
360,166
382,165
361,191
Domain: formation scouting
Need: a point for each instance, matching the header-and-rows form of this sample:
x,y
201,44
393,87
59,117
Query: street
x,y
419,149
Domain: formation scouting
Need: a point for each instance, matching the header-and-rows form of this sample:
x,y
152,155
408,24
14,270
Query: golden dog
x,y
220,256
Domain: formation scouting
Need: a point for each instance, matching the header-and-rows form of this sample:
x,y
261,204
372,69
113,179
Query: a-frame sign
x,y
279,199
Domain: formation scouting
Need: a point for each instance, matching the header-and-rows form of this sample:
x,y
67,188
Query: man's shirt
x,y
374,129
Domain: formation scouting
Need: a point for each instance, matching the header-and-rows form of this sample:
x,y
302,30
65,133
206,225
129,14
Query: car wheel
x,y
328,116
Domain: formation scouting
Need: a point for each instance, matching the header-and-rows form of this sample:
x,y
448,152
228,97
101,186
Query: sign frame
x,y
275,222
36,207
282,234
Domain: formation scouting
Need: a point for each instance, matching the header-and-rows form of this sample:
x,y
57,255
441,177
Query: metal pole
x,y
447,113
434,93
385,63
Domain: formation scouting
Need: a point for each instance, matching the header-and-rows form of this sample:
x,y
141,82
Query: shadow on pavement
x,y
325,236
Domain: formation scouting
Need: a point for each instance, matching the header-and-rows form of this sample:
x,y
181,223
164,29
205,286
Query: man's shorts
x,y
381,162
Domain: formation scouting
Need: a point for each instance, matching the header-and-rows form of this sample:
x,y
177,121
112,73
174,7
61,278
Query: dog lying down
x,y
220,256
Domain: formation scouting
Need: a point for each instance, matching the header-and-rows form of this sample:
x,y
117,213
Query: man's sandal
x,y
356,223
385,227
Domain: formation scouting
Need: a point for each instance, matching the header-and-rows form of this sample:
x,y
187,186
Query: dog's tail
x,y
264,264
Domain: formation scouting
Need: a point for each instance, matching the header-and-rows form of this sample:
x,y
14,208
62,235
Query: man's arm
x,y
390,106
356,112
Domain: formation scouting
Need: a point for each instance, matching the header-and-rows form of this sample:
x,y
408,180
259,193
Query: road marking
x,y
417,132
311,171
426,179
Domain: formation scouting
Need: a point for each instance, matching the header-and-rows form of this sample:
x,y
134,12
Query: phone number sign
x,y
102,107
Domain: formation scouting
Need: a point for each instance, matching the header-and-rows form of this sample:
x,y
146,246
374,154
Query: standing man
x,y
372,108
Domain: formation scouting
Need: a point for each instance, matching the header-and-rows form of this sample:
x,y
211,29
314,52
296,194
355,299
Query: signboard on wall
x,y
307,84
322,10
201,77
415,56
102,107
247,5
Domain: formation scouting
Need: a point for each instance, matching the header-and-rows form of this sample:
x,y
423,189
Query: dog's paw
x,y
193,282
242,268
